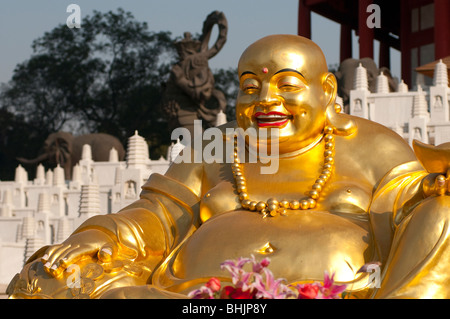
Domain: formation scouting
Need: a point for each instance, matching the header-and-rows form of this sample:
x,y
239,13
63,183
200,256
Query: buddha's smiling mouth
x,y
274,119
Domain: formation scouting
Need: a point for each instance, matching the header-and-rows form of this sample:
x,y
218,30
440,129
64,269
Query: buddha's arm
x,y
411,229
150,227
146,230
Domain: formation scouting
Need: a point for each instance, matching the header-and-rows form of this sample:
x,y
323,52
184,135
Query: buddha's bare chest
x,y
342,194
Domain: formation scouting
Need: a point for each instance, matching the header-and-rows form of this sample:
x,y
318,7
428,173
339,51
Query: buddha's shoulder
x,y
375,134
383,144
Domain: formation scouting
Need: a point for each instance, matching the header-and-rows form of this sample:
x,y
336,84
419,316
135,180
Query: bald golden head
x,y
276,52
285,85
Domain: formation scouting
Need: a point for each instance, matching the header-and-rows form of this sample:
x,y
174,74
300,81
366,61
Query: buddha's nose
x,y
267,96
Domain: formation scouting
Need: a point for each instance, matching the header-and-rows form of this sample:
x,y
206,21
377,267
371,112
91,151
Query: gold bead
x,y
328,153
284,203
328,130
329,138
272,201
241,188
329,145
273,213
304,204
323,177
236,165
312,203
243,196
320,181
246,203
238,173
261,206
272,207
253,205
329,160
295,204
282,211
317,187
328,166
240,178
326,172
314,194
241,182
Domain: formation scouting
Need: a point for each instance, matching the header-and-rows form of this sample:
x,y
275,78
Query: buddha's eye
x,y
250,86
290,84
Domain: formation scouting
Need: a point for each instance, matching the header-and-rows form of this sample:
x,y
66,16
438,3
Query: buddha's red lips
x,y
271,119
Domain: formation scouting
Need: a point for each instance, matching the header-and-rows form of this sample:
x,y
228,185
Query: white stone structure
x,y
422,114
48,209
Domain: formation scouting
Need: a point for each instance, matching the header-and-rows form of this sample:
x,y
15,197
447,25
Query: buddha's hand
x,y
92,243
436,161
437,184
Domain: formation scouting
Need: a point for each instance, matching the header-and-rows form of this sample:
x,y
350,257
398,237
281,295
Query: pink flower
x,y
267,287
329,290
258,267
202,293
213,284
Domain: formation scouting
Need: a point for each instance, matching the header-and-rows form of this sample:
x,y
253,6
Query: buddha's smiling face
x,y
285,84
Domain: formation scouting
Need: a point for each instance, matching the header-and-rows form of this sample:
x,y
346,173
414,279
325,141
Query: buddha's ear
x,y
342,124
330,88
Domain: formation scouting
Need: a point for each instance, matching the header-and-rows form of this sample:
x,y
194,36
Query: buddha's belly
x,y
301,245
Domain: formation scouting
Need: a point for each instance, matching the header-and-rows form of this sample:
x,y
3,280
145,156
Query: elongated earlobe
x,y
342,123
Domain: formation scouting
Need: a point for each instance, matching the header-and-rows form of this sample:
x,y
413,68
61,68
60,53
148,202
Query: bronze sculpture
x,y
190,88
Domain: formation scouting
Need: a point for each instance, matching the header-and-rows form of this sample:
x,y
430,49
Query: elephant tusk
x,y
36,160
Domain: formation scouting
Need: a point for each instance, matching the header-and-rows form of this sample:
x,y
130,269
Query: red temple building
x,y
419,29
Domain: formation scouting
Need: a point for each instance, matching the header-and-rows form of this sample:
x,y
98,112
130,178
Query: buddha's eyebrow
x,y
247,72
290,70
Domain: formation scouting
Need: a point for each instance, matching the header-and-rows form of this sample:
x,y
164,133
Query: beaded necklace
x,y
272,207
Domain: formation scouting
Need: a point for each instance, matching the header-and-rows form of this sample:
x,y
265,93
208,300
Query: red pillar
x,y
366,34
346,42
304,19
405,45
384,56
441,28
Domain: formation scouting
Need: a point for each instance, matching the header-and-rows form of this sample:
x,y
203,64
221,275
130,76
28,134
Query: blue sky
x,y
22,21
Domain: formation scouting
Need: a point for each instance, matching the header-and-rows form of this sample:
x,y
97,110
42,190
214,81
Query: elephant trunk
x,y
36,160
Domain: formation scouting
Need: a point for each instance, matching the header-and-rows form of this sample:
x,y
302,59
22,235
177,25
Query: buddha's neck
x,y
253,151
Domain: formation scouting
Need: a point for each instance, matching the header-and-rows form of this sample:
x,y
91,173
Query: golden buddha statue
x,y
347,191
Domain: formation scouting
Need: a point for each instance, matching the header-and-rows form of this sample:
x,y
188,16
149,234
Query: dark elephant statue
x,y
346,73
65,149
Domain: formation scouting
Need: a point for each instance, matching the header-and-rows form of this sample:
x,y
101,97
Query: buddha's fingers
x,y
73,255
50,264
441,184
49,252
106,253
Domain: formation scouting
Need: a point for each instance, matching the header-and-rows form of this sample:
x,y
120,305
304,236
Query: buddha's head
x,y
285,84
